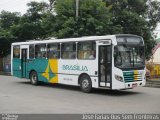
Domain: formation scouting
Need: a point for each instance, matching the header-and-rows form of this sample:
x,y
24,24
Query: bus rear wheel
x,y
34,78
85,84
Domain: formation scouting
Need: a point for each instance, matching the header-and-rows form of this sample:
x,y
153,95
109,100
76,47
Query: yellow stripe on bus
x,y
135,74
54,68
46,73
51,71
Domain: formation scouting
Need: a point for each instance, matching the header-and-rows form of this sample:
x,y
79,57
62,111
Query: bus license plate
x,y
134,85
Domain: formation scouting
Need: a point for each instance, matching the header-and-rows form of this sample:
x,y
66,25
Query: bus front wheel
x,y
85,84
34,78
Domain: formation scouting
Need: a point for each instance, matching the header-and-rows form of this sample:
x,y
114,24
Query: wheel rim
x,y
85,83
34,78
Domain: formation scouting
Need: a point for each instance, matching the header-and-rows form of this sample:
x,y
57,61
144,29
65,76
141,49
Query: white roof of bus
x,y
87,38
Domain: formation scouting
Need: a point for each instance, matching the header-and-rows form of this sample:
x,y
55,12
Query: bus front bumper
x,y
134,84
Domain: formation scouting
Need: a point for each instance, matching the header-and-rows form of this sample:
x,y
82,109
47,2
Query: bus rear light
x,y
119,78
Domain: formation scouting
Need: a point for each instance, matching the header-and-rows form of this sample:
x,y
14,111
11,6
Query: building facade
x,y
153,65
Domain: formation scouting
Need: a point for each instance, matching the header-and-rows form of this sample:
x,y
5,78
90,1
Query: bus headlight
x,y
119,78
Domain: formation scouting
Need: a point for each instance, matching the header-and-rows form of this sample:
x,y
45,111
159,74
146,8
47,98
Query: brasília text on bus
x,y
113,61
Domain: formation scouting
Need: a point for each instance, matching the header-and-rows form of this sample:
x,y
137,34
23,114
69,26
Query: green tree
x,y
100,17
30,26
7,20
94,19
48,24
136,17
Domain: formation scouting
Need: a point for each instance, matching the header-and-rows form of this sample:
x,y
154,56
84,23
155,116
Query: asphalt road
x,y
19,96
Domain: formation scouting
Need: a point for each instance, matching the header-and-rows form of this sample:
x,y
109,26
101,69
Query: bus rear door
x,y
24,56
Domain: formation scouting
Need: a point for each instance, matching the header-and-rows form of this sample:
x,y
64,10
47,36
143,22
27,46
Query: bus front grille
x,y
132,76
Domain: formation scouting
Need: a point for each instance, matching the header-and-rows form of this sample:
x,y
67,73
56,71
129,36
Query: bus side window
x,y
40,51
31,51
53,51
16,51
86,50
68,50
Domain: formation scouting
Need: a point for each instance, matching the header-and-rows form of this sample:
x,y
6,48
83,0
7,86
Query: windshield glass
x,y
129,56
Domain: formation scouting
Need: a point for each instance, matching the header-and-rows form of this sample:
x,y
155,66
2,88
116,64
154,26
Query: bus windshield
x,y
129,56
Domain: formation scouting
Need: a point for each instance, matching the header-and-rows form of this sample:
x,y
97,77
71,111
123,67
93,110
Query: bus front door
x,y
24,62
105,65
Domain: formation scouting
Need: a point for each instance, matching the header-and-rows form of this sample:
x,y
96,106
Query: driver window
x,y
117,57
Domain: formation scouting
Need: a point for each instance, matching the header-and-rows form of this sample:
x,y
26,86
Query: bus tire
x,y
85,84
34,78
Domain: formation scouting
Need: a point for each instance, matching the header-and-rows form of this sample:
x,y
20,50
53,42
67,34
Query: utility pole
x,y
77,8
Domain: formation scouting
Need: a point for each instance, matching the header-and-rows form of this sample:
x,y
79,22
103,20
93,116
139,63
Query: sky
x,y
16,5
21,6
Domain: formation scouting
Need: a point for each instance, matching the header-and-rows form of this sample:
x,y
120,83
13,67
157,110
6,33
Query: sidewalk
x,y
155,79
153,83
5,73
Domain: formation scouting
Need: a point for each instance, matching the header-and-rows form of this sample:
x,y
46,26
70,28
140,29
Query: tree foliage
x,y
136,17
7,19
94,19
57,18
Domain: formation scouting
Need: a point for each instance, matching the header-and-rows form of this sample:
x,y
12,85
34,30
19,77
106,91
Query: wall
x,y
1,64
156,56
154,70
153,65
7,63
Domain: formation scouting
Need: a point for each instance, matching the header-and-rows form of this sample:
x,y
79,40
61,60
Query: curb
x,y
4,73
153,83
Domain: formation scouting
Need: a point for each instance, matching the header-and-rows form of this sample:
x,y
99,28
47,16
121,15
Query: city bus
x,y
114,62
